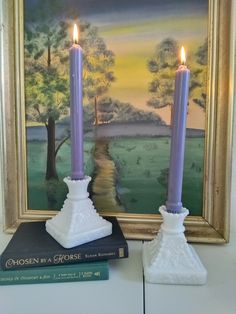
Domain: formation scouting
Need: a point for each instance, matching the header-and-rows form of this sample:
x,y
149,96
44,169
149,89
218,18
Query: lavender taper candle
x,y
175,180
76,109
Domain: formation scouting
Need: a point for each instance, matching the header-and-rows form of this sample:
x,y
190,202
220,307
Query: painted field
x,y
51,194
141,174
142,165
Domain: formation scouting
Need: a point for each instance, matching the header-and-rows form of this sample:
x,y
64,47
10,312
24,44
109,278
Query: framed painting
x,y
131,54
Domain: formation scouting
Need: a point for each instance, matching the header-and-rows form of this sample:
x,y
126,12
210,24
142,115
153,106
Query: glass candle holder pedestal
x,y
169,259
78,221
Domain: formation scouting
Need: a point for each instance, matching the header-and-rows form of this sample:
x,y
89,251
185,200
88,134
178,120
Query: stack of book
x,y
33,256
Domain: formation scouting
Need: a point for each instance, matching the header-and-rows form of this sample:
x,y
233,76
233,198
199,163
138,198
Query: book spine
x,y
52,258
62,274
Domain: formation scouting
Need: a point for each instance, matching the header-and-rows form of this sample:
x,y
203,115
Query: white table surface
x,y
126,292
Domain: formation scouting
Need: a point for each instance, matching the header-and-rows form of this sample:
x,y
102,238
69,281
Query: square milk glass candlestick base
x,y
169,259
78,221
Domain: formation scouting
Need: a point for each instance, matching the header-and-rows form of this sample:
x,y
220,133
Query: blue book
x,y
32,246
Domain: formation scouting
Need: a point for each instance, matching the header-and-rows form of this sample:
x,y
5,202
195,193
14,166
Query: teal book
x,y
55,274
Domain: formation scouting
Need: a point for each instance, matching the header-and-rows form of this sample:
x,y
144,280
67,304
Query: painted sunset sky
x,y
132,29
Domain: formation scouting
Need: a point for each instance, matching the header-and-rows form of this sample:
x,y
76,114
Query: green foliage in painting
x,y
199,76
113,110
47,79
162,66
98,65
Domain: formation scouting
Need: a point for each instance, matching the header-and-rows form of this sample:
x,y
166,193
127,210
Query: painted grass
x,y
42,195
141,164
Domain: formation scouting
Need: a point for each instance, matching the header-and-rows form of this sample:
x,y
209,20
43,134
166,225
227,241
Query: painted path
x,y
104,183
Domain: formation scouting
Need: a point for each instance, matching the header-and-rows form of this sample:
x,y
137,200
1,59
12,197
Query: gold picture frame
x,y
213,225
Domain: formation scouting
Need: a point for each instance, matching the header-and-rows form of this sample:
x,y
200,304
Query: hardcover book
x,y
32,246
54,274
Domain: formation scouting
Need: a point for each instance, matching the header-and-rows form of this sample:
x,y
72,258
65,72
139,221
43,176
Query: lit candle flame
x,y
183,56
75,34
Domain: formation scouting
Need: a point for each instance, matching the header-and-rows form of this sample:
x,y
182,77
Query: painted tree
x,y
198,81
98,64
162,66
47,81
